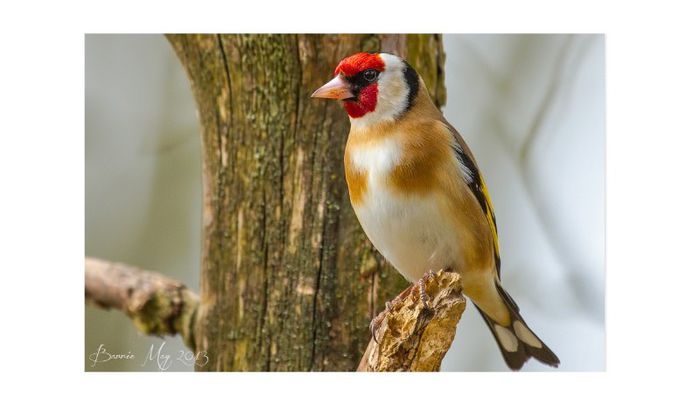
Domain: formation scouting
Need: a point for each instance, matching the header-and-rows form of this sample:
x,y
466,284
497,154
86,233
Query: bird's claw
x,y
377,321
421,287
374,325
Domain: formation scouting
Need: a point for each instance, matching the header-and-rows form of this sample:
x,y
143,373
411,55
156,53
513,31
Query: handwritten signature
x,y
162,359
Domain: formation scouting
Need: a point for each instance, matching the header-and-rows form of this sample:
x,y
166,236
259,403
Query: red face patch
x,y
366,100
356,63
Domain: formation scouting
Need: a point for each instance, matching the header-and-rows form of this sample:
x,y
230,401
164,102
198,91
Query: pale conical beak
x,y
338,89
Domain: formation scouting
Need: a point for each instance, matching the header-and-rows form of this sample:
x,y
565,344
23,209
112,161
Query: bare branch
x,y
413,336
157,305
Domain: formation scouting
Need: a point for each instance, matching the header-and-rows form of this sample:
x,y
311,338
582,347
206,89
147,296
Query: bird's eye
x,y
370,75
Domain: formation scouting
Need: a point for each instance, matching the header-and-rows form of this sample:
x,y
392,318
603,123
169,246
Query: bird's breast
x,y
409,228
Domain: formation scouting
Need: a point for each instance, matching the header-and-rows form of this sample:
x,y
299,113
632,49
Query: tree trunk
x,y
288,279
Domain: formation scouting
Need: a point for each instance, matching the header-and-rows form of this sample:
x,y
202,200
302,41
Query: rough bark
x,y
288,281
157,305
415,336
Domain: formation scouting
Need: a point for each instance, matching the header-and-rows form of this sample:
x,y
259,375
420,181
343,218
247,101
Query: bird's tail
x,y
518,342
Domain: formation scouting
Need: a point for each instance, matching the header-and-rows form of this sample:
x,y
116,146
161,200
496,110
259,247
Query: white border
x,y
652,79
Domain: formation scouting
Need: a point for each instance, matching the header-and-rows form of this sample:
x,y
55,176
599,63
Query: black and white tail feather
x,y
518,342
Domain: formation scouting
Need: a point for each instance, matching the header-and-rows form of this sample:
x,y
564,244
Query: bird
x,y
419,195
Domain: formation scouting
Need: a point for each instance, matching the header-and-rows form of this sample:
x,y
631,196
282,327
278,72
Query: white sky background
x,y
142,137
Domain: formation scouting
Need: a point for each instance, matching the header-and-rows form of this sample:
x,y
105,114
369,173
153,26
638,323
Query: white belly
x,y
410,231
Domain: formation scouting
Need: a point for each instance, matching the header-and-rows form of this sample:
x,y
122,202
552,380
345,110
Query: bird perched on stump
x,y
419,195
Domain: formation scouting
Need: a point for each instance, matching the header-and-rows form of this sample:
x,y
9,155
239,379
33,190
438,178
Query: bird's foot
x,y
375,323
421,287
389,305
426,312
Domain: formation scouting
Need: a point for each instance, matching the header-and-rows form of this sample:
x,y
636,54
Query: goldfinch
x,y
419,195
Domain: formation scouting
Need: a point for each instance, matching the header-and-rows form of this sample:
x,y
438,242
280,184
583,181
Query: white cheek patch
x,y
507,339
525,335
393,93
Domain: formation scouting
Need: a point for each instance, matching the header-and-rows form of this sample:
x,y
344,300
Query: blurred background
x,y
531,107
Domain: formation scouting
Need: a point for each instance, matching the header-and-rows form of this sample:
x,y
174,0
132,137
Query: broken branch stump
x,y
157,304
414,336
